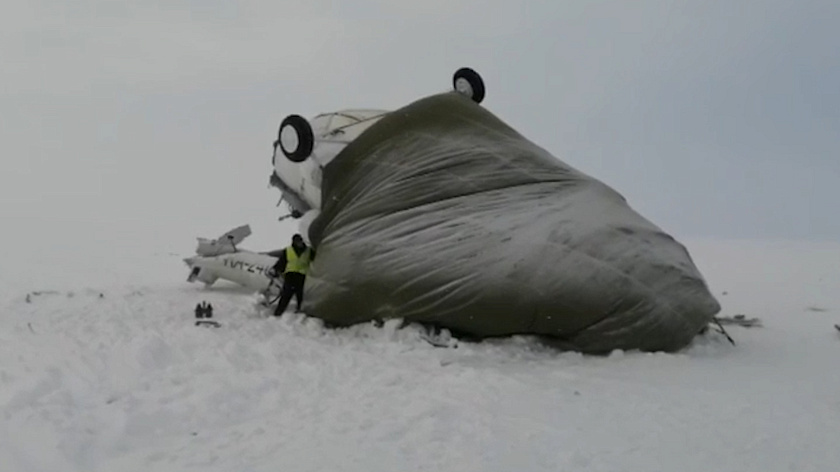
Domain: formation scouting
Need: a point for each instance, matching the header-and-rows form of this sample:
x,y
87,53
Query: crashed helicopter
x,y
442,214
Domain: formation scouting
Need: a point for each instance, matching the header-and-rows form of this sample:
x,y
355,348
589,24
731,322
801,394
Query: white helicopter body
x,y
221,259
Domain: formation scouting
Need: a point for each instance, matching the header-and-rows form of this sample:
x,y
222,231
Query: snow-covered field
x,y
104,371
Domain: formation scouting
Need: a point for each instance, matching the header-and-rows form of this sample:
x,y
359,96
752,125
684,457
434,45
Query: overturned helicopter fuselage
x,y
440,213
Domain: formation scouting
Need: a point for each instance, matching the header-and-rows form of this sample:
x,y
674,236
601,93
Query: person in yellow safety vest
x,y
293,263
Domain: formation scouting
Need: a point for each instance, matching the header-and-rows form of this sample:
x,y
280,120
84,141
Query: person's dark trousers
x,y
292,285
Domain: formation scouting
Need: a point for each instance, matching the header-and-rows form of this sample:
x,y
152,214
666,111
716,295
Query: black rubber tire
x,y
476,83
305,138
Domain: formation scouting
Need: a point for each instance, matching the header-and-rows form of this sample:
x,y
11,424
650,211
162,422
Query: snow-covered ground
x,y
104,371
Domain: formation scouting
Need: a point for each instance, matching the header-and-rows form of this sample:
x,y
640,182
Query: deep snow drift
x,y
124,381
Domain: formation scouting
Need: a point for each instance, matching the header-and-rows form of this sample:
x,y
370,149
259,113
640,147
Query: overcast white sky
x,y
714,118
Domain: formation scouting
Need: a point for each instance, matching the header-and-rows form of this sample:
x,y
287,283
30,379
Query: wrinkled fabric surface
x,y
441,213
